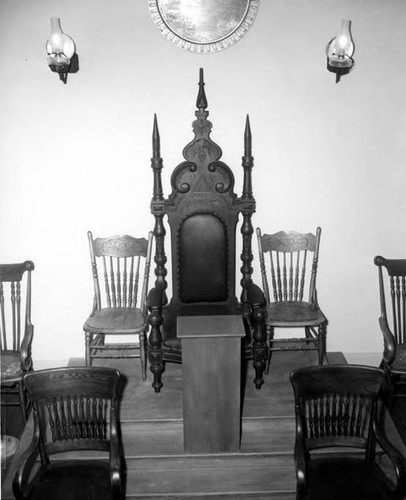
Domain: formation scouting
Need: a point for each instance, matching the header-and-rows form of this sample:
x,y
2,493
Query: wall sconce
x,y
61,49
340,51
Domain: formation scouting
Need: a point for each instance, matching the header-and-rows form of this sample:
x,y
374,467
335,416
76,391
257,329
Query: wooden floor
x,y
152,431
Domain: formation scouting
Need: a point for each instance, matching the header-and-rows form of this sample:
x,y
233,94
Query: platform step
x,y
165,437
242,475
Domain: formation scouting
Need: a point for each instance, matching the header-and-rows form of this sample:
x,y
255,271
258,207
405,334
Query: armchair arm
x,y
254,312
255,296
25,352
156,298
389,341
116,466
21,486
392,444
300,466
155,301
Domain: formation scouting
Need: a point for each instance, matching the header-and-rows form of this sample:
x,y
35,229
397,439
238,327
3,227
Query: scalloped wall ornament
x,y
203,26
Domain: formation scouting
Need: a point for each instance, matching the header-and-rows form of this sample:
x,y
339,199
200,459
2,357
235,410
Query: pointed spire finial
x,y
201,101
156,142
247,138
247,162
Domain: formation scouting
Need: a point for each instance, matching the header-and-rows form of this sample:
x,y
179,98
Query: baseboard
x,y
364,358
44,364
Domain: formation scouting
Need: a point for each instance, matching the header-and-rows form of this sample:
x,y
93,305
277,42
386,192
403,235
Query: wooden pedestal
x,y
211,361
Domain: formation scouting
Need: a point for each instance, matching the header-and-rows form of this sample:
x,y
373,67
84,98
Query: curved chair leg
x,y
322,329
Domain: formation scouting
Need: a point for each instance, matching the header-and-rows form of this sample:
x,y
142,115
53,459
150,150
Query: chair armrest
x,y
116,466
25,352
300,470
392,444
21,486
156,298
389,341
255,296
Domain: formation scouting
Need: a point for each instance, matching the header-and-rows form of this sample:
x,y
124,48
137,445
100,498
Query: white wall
x,y
76,157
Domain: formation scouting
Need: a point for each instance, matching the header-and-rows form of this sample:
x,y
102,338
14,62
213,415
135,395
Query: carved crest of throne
x,y
203,211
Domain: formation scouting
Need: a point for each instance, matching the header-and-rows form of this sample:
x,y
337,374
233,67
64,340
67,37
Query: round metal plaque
x,y
203,26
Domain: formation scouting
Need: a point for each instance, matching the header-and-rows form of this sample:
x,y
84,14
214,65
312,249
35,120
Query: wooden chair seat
x,y
10,367
115,321
347,479
73,481
297,314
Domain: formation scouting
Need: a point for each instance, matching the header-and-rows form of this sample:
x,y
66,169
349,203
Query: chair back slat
x,y
86,420
3,336
398,299
338,416
288,267
15,307
124,260
392,290
135,285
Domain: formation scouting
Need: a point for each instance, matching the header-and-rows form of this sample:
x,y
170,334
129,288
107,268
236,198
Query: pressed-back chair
x,y
340,420
202,212
76,437
392,321
288,262
16,332
120,268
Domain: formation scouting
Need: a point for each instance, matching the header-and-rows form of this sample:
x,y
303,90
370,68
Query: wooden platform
x,y
152,431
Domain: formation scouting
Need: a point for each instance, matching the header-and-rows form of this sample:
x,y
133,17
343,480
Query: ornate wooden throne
x,y
202,212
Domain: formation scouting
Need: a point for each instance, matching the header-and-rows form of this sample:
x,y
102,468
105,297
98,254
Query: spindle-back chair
x,y
75,411
392,321
16,332
339,422
288,263
120,268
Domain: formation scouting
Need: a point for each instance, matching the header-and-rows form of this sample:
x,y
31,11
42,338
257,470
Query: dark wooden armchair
x,y
75,436
202,212
392,289
289,262
340,420
16,332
